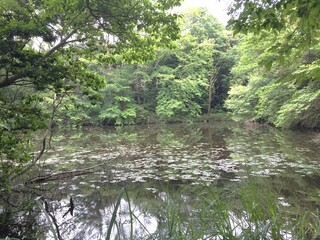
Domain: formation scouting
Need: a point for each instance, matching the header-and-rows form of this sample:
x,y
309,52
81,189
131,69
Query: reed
x,y
247,213
114,214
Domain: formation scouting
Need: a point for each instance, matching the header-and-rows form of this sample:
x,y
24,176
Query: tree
x,y
199,68
45,45
118,105
133,28
298,19
254,16
283,94
286,43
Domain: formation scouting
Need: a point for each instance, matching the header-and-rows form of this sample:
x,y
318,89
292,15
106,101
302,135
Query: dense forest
x,y
189,79
276,79
77,63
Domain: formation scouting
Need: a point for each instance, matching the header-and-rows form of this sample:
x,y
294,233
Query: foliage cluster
x,y
277,77
176,85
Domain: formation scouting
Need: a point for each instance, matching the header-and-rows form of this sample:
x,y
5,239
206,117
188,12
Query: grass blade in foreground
x,y
114,214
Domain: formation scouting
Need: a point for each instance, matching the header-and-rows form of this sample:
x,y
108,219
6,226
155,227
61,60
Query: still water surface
x,y
160,166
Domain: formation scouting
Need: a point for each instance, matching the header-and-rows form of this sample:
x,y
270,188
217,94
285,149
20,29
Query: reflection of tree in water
x,y
17,223
91,216
20,216
93,208
274,151
286,158
177,135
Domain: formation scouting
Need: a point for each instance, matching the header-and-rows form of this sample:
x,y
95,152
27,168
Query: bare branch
x,y
48,133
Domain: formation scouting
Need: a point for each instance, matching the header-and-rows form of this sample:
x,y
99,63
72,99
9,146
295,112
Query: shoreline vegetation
x,y
220,116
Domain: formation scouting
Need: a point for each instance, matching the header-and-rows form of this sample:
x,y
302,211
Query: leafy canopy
x,y
299,19
283,94
45,47
34,33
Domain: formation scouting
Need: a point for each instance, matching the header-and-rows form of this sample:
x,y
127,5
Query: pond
x,y
170,178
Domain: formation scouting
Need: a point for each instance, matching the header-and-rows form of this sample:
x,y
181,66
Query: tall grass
x,y
114,214
247,213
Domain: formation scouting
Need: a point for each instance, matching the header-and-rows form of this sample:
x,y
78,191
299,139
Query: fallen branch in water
x,y
61,175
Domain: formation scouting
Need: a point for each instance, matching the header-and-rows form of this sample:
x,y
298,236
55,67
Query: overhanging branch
x,y
9,80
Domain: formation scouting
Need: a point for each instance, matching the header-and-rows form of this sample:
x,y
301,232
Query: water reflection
x,y
164,168
92,219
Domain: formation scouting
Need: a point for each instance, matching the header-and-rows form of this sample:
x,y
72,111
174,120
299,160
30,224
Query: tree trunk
x,y
212,81
210,93
138,91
